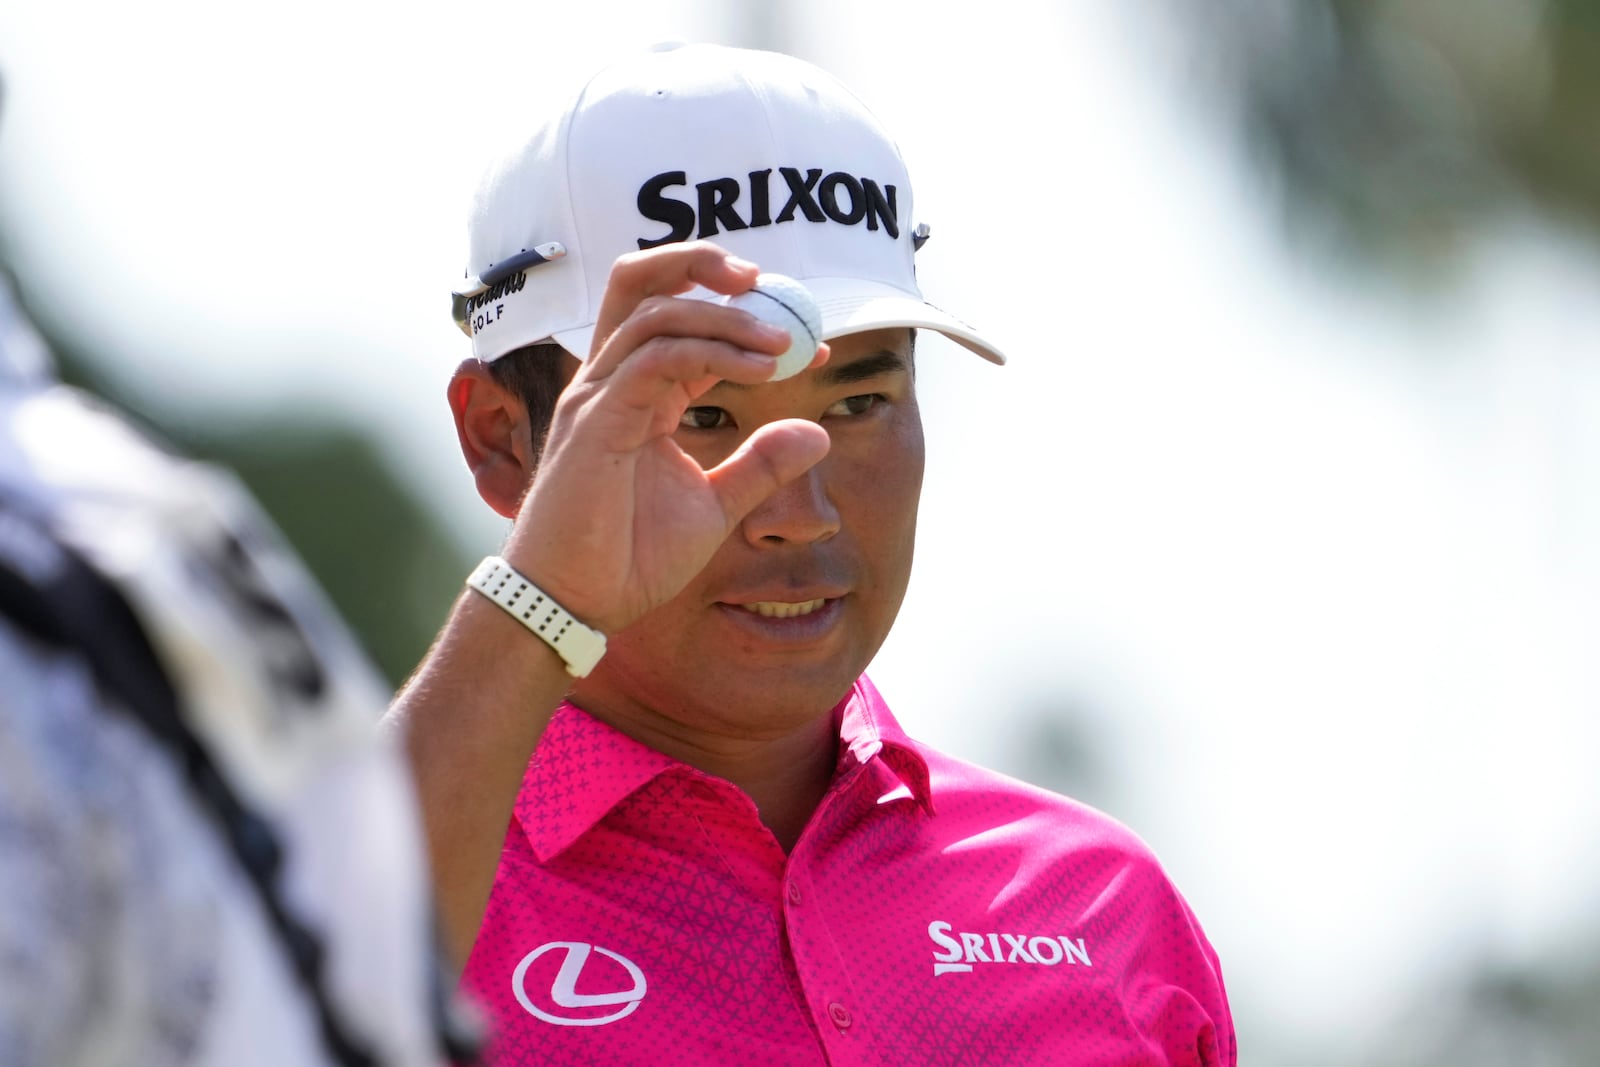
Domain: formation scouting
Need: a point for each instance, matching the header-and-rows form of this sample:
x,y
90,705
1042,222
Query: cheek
x,y
906,456
886,488
650,659
916,460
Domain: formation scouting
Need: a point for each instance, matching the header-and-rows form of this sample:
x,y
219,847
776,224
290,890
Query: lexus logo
x,y
557,1000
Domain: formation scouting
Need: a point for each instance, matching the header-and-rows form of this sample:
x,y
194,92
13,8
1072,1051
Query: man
x,y
204,856
722,848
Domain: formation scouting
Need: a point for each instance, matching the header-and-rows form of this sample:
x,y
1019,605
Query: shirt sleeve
x,y
1177,990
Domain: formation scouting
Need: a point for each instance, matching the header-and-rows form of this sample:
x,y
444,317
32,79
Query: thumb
x,y
775,454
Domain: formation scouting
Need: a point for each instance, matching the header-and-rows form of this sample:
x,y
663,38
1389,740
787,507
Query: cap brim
x,y
849,305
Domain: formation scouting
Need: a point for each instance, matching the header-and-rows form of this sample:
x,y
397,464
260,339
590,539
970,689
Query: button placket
x,y
824,975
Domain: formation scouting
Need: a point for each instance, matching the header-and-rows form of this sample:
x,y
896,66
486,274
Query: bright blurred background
x,y
1282,524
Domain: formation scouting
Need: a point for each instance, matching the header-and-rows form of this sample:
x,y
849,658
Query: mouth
x,y
777,609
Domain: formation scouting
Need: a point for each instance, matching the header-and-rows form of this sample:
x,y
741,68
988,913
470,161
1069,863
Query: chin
x,y
776,699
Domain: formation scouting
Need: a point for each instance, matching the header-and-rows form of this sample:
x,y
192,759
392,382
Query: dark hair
x,y
536,374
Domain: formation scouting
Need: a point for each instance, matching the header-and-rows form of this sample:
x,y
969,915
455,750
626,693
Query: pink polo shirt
x,y
931,913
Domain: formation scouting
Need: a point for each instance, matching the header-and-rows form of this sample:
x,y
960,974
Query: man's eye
x,y
704,418
856,405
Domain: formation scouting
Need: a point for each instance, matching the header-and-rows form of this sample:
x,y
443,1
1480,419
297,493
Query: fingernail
x,y
740,264
760,359
777,333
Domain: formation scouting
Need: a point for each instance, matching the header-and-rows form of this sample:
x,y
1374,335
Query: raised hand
x,y
619,518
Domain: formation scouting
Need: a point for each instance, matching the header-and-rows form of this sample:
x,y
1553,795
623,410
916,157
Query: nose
x,y
800,512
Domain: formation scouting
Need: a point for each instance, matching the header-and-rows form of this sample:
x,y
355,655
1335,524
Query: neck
x,y
786,780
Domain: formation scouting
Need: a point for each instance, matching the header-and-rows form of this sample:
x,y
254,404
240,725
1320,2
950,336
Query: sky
x,y
1310,559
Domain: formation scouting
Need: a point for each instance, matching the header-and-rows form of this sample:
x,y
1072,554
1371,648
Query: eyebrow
x,y
859,370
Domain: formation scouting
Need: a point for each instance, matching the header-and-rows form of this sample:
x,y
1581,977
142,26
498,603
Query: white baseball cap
x,y
766,155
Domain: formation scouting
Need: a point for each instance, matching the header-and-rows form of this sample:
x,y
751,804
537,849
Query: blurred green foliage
x,y
1405,129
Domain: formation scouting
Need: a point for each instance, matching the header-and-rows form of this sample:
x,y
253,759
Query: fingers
x,y
682,348
774,455
661,272
649,392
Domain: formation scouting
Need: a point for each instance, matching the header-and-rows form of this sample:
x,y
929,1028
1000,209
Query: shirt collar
x,y
868,730
582,768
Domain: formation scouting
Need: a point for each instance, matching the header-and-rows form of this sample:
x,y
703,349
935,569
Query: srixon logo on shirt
x,y
759,198
959,950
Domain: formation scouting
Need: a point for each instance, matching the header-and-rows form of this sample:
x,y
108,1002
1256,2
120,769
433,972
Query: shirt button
x,y
840,1015
794,894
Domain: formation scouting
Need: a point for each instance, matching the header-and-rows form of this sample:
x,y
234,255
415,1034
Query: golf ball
x,y
785,303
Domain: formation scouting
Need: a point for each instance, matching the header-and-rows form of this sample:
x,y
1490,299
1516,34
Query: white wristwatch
x,y
578,646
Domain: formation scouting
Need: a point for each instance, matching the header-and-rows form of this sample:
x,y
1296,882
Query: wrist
x,y
579,645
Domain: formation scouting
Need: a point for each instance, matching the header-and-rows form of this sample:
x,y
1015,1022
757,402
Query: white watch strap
x,y
577,645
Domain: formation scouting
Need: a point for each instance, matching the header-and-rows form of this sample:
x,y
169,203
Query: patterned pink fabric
x,y
931,913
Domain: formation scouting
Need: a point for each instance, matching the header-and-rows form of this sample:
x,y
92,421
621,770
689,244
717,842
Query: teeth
x,y
773,609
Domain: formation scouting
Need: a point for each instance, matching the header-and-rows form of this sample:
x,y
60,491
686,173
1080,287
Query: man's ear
x,y
496,438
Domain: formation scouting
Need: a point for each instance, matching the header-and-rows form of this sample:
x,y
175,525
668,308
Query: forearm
x,y
470,718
